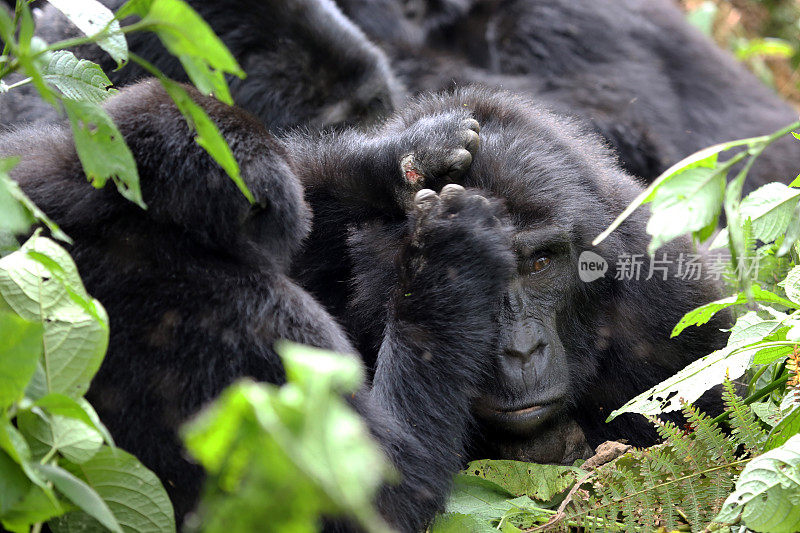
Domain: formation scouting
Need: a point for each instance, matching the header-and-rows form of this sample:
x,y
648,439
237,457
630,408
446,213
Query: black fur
x,y
636,70
580,349
306,63
197,290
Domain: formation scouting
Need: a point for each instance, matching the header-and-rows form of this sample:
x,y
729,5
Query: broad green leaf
x,y
767,494
792,232
751,328
72,438
478,497
81,494
706,157
689,202
80,409
791,285
703,314
15,445
20,349
75,340
78,79
188,37
460,523
134,494
305,364
770,354
690,383
18,199
102,149
14,484
36,506
288,454
539,482
92,18
16,219
788,427
208,135
770,209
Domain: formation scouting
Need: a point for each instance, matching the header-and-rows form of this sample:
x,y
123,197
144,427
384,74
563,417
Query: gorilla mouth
x,y
516,420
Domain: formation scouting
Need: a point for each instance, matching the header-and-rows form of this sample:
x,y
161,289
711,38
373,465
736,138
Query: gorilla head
x,y
564,347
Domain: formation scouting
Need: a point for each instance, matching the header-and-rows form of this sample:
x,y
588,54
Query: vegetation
x,y
286,455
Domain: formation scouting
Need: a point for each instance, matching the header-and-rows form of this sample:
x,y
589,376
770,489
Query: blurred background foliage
x,y
764,34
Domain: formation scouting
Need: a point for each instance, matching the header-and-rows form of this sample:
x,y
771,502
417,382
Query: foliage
x,y
283,456
78,87
58,462
56,457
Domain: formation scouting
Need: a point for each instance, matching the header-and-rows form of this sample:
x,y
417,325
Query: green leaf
x,y
690,383
770,354
767,495
208,135
75,340
706,157
81,494
92,17
288,454
306,365
80,409
102,149
703,314
791,285
134,494
72,438
751,328
478,497
12,200
36,506
20,349
788,427
539,482
792,232
78,79
459,523
14,484
188,37
770,209
689,202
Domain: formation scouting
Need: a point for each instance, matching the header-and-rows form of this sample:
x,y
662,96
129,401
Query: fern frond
x,y
746,430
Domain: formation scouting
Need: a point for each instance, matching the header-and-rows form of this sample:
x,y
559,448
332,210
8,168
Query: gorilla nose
x,y
522,345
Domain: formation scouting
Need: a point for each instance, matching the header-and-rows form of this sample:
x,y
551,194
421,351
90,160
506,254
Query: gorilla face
x,y
568,349
532,381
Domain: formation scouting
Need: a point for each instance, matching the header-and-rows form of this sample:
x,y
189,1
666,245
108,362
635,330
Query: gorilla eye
x,y
540,264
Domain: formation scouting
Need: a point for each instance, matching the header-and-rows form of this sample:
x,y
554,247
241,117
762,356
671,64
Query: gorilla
x,y
306,63
651,84
566,349
197,290
448,250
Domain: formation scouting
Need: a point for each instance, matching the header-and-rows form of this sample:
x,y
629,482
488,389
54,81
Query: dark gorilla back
x,y
306,63
636,70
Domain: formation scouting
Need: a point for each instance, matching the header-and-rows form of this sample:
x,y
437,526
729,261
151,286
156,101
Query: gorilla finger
x,y
473,124
471,141
426,199
458,162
